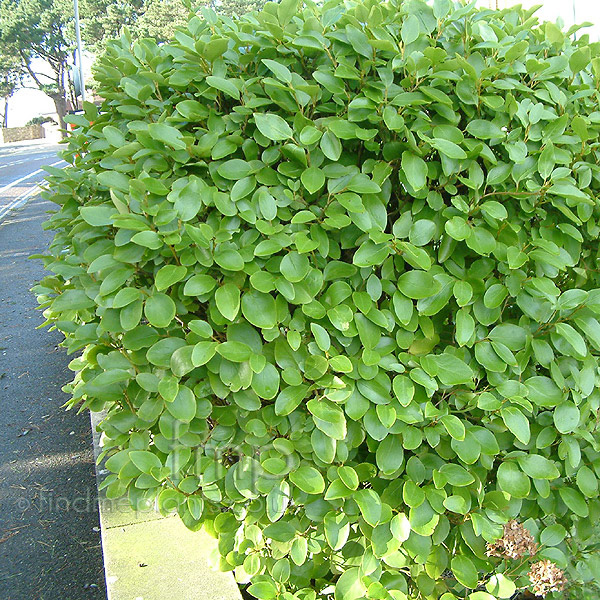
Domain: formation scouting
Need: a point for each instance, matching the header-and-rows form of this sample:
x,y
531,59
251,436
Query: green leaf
x,y
234,169
448,148
313,179
370,254
322,338
289,399
229,259
242,188
543,391
113,136
144,460
553,34
456,504
259,309
279,70
203,352
484,130
418,284
98,216
456,475
517,423
331,146
415,257
235,351
308,479
400,527
451,370
390,454
454,426
463,292
286,9
538,467
224,85
422,232
337,528
197,285
349,586
328,417
566,417
160,310
169,275
183,407
167,134
574,501
148,239
587,482
513,481
553,535
410,29
227,299
414,169
481,596
295,267
263,590
348,476
404,389
465,571
272,126
72,300
458,229
465,326
580,59
369,504
181,361
160,353
266,382
571,335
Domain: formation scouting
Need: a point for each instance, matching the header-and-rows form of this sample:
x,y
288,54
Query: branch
x,y
30,70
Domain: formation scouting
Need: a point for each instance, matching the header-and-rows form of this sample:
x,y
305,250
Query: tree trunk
x,y
5,115
60,103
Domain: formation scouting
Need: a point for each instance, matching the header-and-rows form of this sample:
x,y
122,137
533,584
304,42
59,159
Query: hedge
x,y
332,271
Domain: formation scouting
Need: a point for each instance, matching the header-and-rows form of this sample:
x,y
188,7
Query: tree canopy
x,y
38,36
41,33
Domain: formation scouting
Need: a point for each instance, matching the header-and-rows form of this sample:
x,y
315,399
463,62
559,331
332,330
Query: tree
x,y
103,20
160,18
11,73
238,7
41,32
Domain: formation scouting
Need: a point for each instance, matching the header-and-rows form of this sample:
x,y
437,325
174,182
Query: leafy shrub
x,y
41,120
333,273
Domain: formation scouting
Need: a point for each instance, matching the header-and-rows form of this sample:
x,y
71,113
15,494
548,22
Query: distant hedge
x,y
333,271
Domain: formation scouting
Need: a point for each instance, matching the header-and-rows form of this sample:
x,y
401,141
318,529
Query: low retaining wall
x,y
18,134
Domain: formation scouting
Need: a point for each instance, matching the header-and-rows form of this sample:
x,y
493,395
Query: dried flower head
x,y
516,542
546,577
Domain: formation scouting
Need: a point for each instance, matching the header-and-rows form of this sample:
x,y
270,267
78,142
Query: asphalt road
x,y
49,537
21,170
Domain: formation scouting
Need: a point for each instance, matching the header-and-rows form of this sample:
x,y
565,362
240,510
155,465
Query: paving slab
x,y
162,560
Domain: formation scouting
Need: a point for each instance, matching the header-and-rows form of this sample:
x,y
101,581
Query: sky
x,y
27,103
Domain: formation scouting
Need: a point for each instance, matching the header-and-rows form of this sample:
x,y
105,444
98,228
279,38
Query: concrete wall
x,y
17,134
